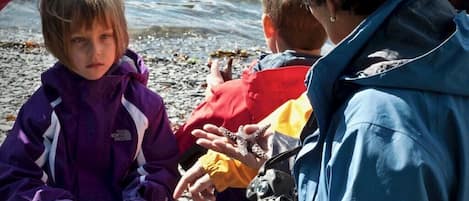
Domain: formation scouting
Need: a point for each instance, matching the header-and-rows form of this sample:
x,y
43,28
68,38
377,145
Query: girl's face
x,y
92,51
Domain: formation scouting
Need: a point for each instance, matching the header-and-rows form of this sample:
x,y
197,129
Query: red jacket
x,y
3,3
244,101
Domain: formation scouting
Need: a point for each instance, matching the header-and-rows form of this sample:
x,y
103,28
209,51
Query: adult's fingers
x,y
209,195
202,189
249,159
263,137
206,195
231,151
194,173
210,132
222,146
213,129
251,128
208,144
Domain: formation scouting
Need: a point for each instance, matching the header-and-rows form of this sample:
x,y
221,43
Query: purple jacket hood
x,y
129,66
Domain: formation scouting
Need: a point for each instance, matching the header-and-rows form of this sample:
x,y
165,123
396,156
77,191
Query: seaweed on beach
x,y
16,45
230,53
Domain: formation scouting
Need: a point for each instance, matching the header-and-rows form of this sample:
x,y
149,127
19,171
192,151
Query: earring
x,y
332,19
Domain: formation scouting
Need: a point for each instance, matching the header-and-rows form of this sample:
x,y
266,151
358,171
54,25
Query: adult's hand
x,y
198,183
211,137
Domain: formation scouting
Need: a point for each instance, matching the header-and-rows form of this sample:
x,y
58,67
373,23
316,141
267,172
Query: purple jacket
x,y
103,140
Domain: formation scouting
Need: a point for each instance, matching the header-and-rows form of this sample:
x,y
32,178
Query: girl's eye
x,y
78,40
107,36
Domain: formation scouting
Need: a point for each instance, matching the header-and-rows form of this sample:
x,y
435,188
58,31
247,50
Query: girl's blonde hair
x,y
59,17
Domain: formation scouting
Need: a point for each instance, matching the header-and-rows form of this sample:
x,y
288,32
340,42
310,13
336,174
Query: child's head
x,y
291,23
87,36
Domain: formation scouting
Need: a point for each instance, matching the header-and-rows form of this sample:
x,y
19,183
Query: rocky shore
x,y
178,78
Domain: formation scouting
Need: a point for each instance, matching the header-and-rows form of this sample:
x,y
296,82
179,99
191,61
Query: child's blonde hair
x,y
60,17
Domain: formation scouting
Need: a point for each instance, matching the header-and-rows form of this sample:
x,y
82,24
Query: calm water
x,y
193,27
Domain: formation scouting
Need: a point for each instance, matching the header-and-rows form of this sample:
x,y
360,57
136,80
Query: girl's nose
x,y
95,48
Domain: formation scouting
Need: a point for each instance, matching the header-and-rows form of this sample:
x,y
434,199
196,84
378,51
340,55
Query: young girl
x,y
92,131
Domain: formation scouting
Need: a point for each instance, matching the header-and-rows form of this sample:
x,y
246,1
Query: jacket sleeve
x,y
373,162
226,172
155,174
22,157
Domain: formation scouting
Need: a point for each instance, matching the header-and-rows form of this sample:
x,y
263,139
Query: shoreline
x,y
179,80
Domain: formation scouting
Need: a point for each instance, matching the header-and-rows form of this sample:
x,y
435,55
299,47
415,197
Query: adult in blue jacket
x,y
391,101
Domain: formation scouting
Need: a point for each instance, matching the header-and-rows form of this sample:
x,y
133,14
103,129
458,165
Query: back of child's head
x,y
61,17
295,24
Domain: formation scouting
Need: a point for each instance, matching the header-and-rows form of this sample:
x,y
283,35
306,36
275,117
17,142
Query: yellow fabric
x,y
288,119
291,116
226,172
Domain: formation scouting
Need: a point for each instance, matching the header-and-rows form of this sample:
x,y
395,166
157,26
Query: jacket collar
x,y
60,81
325,72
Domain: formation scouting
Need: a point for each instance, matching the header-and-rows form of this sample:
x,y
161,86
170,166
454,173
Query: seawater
x,y
162,28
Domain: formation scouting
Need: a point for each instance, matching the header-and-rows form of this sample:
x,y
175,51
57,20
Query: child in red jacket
x,y
295,39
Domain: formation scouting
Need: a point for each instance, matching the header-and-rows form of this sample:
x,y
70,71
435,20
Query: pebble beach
x,y
179,79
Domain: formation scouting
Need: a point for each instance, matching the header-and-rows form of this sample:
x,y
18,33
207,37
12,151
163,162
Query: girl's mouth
x,y
94,65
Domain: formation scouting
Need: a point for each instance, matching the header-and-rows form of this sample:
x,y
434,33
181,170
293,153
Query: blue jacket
x,y
102,140
392,105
